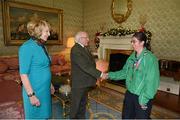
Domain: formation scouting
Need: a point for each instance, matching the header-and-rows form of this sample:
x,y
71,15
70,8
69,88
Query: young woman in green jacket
x,y
141,72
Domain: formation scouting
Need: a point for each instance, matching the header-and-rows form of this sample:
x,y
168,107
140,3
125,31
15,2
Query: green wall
x,y
163,20
73,22
95,15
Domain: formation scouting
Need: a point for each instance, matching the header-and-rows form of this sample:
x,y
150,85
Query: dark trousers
x,y
132,108
78,103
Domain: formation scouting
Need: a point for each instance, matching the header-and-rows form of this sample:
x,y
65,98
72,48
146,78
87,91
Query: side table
x,y
64,99
57,80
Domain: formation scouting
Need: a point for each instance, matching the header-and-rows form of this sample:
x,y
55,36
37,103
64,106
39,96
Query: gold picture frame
x,y
17,14
122,16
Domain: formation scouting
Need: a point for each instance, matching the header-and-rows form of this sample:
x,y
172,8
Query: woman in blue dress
x,y
34,63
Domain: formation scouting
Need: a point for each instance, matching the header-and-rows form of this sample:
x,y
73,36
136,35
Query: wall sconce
x,y
70,42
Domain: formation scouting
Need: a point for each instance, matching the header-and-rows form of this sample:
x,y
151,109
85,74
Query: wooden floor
x,y
162,99
168,101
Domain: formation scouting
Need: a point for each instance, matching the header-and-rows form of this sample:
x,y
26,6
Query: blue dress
x,y
34,62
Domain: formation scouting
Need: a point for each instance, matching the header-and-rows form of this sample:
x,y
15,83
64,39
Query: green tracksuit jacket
x,y
141,74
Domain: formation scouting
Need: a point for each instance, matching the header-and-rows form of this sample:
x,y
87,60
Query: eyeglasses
x,y
85,37
133,41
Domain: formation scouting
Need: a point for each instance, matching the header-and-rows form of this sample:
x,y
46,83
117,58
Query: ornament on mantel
x,y
96,39
142,21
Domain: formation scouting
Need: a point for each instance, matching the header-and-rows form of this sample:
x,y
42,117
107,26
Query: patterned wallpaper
x,y
94,15
162,20
73,19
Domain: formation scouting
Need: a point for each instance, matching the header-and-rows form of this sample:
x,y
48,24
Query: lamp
x,y
70,42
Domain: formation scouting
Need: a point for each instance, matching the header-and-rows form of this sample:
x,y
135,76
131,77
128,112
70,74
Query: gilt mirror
x,y
121,10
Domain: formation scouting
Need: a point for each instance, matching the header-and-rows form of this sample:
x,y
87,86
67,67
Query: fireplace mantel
x,y
113,43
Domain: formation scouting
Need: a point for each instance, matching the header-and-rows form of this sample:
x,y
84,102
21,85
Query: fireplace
x,y
117,59
113,43
116,50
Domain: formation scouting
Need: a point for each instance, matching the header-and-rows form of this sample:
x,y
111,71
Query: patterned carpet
x,y
104,104
11,110
114,101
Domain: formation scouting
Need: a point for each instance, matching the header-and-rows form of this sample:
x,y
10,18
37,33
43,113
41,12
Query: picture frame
x,y
16,15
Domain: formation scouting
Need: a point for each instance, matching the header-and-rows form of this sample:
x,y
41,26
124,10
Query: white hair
x,y
78,36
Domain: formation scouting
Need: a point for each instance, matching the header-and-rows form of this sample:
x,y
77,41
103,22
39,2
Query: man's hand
x,y
98,82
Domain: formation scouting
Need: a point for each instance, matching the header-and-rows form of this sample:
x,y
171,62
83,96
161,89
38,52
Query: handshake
x,y
104,76
102,79
102,65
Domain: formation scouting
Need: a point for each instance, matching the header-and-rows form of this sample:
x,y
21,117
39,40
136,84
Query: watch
x,y
31,94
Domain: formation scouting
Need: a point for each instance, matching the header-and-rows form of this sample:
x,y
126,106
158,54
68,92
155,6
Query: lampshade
x,y
70,42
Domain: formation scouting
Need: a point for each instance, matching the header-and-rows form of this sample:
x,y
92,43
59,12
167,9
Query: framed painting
x,y
16,15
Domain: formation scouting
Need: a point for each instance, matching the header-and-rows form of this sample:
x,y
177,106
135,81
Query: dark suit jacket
x,y
83,68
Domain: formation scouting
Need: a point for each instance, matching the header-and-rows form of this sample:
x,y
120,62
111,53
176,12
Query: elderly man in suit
x,y
84,75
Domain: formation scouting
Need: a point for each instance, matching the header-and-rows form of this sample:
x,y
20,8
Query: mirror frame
x,y
121,17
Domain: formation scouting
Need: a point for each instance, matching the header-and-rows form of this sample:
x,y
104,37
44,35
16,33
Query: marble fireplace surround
x,y
110,43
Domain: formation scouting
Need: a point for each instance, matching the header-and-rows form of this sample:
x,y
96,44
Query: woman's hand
x,y
34,101
144,107
52,89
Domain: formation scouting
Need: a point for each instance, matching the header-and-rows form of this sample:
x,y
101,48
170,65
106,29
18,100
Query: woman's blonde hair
x,y
35,27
